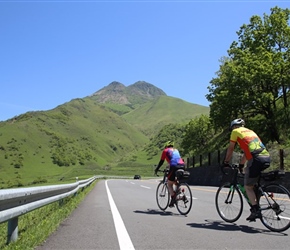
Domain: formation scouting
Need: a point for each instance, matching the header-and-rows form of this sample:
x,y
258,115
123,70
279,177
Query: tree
x,y
173,132
198,133
253,81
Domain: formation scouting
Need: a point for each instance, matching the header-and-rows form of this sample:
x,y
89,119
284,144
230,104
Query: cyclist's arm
x,y
162,159
230,151
242,163
159,164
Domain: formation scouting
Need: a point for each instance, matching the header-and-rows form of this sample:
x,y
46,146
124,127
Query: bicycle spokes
x,y
275,207
162,196
183,199
229,203
163,191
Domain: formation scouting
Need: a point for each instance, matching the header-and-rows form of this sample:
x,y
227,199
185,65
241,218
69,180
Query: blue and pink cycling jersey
x,y
172,156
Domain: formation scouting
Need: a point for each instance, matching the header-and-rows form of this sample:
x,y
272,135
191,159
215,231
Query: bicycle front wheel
x,y
275,207
162,196
229,202
183,198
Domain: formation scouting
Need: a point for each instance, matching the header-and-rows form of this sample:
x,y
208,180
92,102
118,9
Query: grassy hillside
x,y
74,138
152,116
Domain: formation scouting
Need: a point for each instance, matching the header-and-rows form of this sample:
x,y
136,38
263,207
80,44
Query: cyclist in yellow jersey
x,y
256,156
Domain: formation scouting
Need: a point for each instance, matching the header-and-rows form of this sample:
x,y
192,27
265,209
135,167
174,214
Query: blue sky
x,y
54,51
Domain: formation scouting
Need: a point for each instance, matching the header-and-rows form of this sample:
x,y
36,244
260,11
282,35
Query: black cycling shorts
x,y
172,169
257,165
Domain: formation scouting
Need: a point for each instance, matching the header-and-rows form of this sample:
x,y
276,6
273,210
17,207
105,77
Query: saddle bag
x,y
182,174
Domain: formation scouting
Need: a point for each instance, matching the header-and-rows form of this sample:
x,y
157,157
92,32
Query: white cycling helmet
x,y
239,122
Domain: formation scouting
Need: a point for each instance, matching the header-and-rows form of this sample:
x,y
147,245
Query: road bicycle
x,y
272,198
183,197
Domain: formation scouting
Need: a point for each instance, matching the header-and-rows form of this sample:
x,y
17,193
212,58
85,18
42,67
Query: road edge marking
x,y
125,242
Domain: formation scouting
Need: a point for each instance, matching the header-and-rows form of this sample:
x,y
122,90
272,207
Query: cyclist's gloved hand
x,y
156,171
241,167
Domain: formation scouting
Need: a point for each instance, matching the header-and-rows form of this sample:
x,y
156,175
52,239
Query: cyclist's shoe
x,y
255,214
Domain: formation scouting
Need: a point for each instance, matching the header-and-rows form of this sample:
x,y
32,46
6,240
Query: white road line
x,y
145,187
122,234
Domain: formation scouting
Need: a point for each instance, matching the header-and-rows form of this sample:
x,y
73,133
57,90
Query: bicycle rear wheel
x,y
229,202
183,198
275,207
162,196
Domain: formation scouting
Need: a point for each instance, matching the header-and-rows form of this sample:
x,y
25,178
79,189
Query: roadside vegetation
x,y
36,226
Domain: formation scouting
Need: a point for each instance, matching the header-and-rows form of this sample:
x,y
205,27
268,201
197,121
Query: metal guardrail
x,y
19,201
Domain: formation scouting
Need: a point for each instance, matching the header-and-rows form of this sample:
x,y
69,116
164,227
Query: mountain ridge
x,y
136,93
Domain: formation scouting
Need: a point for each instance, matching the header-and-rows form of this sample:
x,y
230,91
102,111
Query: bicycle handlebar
x,y
229,166
163,171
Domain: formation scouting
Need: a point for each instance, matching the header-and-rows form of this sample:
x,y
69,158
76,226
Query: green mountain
x,y
90,134
153,115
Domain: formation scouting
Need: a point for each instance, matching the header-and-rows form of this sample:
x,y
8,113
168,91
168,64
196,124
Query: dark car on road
x,y
137,177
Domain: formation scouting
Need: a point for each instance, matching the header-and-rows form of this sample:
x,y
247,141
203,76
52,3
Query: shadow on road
x,y
221,225
155,212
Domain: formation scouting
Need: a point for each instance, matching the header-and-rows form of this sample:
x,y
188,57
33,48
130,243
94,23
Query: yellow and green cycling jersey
x,y
249,142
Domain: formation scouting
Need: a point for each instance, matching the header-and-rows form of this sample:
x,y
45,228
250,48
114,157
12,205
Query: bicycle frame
x,y
239,186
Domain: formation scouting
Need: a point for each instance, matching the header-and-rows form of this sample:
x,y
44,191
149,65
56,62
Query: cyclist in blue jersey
x,y
172,156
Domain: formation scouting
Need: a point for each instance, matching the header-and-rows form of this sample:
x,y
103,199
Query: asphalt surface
x,y
123,214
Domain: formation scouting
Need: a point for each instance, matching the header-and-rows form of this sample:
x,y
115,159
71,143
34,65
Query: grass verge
x,y
35,227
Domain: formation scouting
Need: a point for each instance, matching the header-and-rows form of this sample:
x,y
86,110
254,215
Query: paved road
x,y
123,214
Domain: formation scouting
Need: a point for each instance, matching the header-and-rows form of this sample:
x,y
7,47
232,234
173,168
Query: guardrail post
x,y
60,202
12,230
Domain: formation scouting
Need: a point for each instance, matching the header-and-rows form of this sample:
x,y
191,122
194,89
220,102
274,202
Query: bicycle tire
x,y
229,211
162,196
275,216
183,198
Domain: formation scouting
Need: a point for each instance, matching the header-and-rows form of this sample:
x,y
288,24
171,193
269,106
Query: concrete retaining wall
x,y
212,176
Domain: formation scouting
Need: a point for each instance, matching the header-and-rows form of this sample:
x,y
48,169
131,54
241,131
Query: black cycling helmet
x,y
168,144
239,122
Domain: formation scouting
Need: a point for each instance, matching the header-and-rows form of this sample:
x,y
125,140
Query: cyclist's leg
x,y
171,181
252,175
251,178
